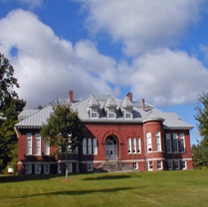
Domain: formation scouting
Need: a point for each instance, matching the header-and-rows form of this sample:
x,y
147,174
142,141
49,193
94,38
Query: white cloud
x,y
142,25
46,66
168,77
32,3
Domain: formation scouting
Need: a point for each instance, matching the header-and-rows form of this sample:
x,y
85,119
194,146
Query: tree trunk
x,y
67,170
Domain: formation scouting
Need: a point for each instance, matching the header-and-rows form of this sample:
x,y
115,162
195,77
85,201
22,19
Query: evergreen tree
x,y
64,130
200,151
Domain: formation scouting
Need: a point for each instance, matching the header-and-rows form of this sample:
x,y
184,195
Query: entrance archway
x,y
111,148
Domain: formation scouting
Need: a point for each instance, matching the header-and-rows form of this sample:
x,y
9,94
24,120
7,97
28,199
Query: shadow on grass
x,y
108,177
21,178
78,192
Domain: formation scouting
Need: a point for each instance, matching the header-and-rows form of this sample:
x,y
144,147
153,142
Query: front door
x,y
111,148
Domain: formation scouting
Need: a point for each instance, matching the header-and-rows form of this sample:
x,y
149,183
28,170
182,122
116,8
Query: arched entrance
x,y
111,148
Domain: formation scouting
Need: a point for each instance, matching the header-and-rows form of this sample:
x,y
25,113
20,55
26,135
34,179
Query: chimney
x,y
143,104
71,96
130,96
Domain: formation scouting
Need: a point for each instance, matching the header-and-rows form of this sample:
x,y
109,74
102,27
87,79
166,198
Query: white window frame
x,y
138,145
111,113
129,145
175,142
90,167
177,166
94,113
47,148
182,142
95,147
28,168
37,144
59,168
46,168
149,141
70,167
84,146
150,165
134,144
158,141
168,143
29,143
37,168
184,165
135,165
159,164
89,143
170,167
128,113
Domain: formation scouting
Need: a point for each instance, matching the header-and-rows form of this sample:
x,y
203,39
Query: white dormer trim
x,y
127,113
111,113
94,113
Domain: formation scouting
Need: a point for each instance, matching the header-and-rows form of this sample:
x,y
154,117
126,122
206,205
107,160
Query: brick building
x,y
127,131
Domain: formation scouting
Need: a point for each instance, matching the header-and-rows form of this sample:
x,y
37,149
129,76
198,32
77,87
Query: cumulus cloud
x,y
169,77
142,25
45,65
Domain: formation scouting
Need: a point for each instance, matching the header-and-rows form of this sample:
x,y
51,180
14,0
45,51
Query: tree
x,y
10,107
200,151
64,130
7,81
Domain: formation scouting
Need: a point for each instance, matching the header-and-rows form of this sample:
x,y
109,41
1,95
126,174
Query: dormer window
x,y
94,113
128,113
111,113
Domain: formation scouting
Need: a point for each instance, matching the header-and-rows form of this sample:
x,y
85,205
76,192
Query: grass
x,y
167,188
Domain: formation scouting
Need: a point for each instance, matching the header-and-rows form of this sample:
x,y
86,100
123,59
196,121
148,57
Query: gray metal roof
x,y
36,118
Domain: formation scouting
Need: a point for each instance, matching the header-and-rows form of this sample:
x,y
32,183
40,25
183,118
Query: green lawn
x,y
168,188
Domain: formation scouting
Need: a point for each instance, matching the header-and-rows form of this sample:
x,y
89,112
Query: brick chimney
x,y
130,96
71,96
143,104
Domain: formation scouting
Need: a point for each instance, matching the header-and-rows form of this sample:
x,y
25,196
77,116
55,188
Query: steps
x,y
114,166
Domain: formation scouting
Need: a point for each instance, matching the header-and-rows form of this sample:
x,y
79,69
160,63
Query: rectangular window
x,y
128,113
159,164
169,163
111,113
150,165
46,168
76,150
139,145
182,143
46,148
94,113
177,167
183,165
69,167
37,144
89,146
59,168
168,143
175,142
84,146
29,144
158,145
129,146
135,165
134,145
149,141
28,168
37,168
89,166
94,146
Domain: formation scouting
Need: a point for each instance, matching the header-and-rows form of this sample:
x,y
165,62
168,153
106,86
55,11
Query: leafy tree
x,y
7,81
10,107
200,151
64,130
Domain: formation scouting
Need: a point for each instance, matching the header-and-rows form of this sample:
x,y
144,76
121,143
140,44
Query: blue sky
x,y
156,49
